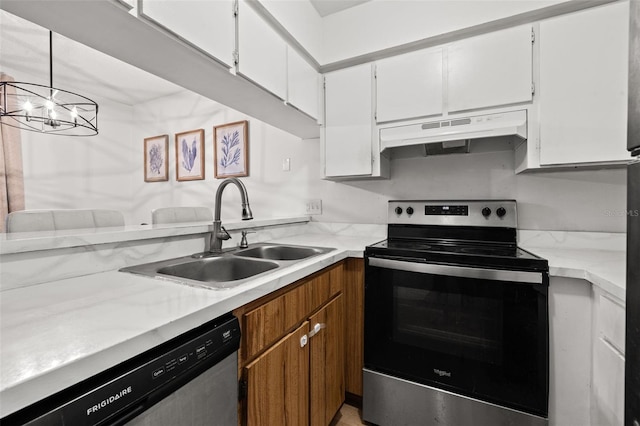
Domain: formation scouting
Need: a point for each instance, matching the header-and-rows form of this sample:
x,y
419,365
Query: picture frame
x,y
190,155
156,158
231,150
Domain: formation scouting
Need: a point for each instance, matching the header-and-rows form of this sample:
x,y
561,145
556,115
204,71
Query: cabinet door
x,y
262,52
208,25
327,362
348,122
583,86
490,70
278,383
409,86
303,87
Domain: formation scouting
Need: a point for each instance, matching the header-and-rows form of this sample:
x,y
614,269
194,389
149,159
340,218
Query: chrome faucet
x,y
220,234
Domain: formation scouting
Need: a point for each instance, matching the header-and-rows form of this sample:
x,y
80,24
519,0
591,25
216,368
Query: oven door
x,y
478,332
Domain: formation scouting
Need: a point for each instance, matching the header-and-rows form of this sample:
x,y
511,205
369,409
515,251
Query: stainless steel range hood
x,y
455,134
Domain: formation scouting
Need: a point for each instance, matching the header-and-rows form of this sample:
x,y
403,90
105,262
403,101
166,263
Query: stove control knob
x,y
501,211
409,210
486,212
398,210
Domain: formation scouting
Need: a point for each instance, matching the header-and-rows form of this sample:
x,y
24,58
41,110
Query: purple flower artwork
x,y
190,155
156,165
230,150
231,144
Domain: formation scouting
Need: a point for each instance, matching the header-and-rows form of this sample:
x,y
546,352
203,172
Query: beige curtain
x,y
11,176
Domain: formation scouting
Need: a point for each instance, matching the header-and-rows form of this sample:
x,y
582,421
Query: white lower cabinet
x,y
586,354
570,334
607,403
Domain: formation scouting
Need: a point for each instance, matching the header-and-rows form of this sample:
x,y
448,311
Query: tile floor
x,y
348,416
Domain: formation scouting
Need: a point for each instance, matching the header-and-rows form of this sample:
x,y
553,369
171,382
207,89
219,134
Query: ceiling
x,y
25,52
327,7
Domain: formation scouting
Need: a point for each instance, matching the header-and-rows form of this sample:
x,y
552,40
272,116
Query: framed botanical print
x,y
156,163
190,155
231,145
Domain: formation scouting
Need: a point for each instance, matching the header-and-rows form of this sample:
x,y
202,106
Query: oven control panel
x,y
497,213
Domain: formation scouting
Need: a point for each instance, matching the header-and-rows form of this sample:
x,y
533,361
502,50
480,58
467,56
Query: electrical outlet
x,y
314,206
286,165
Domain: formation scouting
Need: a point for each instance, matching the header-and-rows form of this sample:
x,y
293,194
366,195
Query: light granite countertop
x,y
55,334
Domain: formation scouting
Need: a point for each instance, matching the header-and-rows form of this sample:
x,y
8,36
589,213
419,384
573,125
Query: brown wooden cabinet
x,y
327,362
353,292
278,383
291,359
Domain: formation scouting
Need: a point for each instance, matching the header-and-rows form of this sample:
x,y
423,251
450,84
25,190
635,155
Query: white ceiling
x,y
327,7
25,51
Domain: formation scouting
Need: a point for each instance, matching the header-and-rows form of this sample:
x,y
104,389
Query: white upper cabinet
x,y
583,86
262,52
490,70
303,84
409,86
208,25
348,122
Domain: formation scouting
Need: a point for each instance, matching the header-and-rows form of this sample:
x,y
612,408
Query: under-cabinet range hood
x,y
454,135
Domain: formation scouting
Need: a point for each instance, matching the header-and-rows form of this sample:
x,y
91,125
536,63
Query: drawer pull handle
x,y
303,341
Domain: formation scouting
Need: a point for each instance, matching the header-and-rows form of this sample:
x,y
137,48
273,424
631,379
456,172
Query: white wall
x,y
272,191
65,172
302,21
586,200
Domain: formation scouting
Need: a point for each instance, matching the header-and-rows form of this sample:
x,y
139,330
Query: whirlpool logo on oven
x,y
442,373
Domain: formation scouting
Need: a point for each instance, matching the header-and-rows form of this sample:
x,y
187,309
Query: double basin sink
x,y
229,269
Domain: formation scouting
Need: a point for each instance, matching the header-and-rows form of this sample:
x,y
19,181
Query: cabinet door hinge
x,y
533,35
533,89
234,8
236,57
242,389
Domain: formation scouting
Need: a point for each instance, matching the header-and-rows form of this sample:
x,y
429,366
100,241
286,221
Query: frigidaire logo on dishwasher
x,y
109,400
442,372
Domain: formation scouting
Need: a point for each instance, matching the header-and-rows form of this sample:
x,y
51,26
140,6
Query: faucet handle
x,y
223,235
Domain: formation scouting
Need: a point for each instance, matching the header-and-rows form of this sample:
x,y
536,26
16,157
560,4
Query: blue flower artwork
x,y
155,159
230,156
231,145
189,154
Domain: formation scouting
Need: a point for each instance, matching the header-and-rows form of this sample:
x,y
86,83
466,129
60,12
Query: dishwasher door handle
x,y
458,271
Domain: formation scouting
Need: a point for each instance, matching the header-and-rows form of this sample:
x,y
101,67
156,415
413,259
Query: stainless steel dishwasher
x,y
190,380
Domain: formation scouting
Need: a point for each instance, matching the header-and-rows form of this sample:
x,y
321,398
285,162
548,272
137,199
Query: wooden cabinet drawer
x,y
268,322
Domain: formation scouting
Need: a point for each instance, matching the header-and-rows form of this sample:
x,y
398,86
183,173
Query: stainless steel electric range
x,y
456,319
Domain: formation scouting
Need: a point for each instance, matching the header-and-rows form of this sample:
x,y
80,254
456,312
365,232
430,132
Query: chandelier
x,y
46,109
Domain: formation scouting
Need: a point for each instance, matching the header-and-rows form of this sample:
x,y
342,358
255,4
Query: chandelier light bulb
x,y
74,113
52,114
27,106
49,104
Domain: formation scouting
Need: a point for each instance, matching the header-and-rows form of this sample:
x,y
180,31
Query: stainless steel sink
x,y
218,269
278,252
228,269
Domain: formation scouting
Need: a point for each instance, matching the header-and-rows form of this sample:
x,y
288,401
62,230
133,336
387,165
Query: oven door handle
x,y
458,271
